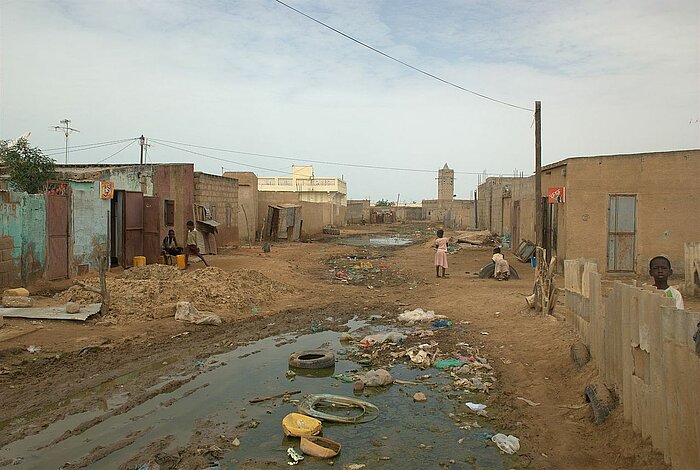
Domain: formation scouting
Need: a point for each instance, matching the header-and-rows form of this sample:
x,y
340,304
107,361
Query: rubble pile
x,y
143,292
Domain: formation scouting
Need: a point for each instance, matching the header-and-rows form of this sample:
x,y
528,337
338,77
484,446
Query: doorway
x,y
622,231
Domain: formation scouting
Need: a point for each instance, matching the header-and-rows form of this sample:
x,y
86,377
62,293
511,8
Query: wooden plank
x,y
652,305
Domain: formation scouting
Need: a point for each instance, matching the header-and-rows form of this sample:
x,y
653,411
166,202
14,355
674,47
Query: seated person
x,y
502,269
660,270
170,246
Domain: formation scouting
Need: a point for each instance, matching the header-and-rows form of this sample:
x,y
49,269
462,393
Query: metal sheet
x,y
151,228
57,229
51,313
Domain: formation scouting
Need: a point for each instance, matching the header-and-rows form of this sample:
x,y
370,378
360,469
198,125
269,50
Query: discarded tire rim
x,y
310,404
312,359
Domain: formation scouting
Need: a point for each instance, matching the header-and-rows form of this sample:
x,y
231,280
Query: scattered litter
x,y
345,337
307,406
294,456
447,363
476,406
529,402
508,444
417,315
290,374
320,447
235,442
377,378
354,466
419,396
297,425
34,349
317,326
393,337
485,333
442,324
198,363
185,311
184,333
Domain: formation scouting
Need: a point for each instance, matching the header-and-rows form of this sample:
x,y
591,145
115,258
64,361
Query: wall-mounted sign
x,y
556,195
106,189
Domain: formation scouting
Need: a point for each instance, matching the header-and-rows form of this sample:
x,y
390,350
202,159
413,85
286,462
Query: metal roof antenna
x,y
67,130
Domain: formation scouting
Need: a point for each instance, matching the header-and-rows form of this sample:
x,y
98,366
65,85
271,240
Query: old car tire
x,y
312,359
487,271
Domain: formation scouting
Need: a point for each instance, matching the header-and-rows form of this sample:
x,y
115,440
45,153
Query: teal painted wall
x,y
23,226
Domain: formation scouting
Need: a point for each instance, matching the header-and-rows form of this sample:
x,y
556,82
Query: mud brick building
x,y
357,211
216,209
617,210
247,204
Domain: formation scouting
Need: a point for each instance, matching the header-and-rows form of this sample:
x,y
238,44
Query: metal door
x,y
133,227
551,222
151,228
57,231
622,228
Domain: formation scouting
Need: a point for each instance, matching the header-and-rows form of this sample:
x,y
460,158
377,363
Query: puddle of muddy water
x,y
419,434
376,240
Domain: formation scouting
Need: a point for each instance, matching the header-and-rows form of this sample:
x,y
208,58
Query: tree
x,y
383,203
28,167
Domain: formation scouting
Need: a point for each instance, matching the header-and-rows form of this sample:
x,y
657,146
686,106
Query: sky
x,y
255,77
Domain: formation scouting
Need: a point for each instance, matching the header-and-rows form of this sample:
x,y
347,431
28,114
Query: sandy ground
x,y
82,364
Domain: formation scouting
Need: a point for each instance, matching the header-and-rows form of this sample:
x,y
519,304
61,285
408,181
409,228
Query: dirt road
x,y
83,367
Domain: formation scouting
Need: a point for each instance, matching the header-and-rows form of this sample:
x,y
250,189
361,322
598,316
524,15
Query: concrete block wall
x,y
9,274
219,194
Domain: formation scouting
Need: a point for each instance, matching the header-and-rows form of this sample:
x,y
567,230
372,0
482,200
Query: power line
x,y
401,61
118,151
217,158
302,159
87,145
95,146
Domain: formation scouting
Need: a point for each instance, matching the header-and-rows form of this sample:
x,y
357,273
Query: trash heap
x,y
468,369
153,291
352,270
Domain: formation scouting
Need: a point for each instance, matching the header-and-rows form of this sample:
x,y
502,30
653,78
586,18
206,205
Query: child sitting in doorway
x,y
441,253
660,270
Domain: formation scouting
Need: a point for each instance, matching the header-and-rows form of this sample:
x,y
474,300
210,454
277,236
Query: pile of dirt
x,y
152,291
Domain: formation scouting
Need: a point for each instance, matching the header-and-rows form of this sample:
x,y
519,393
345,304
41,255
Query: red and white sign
x,y
106,189
556,195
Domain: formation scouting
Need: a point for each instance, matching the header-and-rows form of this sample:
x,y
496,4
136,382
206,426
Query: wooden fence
x,y
644,350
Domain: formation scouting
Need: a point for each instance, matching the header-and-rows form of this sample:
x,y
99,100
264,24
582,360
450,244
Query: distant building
x,y
323,199
446,210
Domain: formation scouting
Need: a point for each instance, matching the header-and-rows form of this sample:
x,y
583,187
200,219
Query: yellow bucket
x,y
180,261
139,261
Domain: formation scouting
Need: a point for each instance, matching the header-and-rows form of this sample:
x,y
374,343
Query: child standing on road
x,y
441,253
660,270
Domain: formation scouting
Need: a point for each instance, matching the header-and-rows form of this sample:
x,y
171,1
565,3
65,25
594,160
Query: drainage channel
x,y
420,435
376,240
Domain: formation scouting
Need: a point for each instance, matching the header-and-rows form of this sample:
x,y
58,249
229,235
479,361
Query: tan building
x,y
323,199
446,210
506,206
247,204
357,211
618,210
216,209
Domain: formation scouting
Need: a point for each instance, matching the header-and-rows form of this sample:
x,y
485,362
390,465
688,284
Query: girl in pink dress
x,y
441,253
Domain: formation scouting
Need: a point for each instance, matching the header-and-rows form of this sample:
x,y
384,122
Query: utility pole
x,y
66,129
142,143
539,208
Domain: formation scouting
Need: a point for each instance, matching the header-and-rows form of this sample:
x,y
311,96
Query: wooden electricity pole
x,y
539,208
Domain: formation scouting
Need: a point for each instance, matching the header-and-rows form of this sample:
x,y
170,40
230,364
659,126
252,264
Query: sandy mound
x,y
152,291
